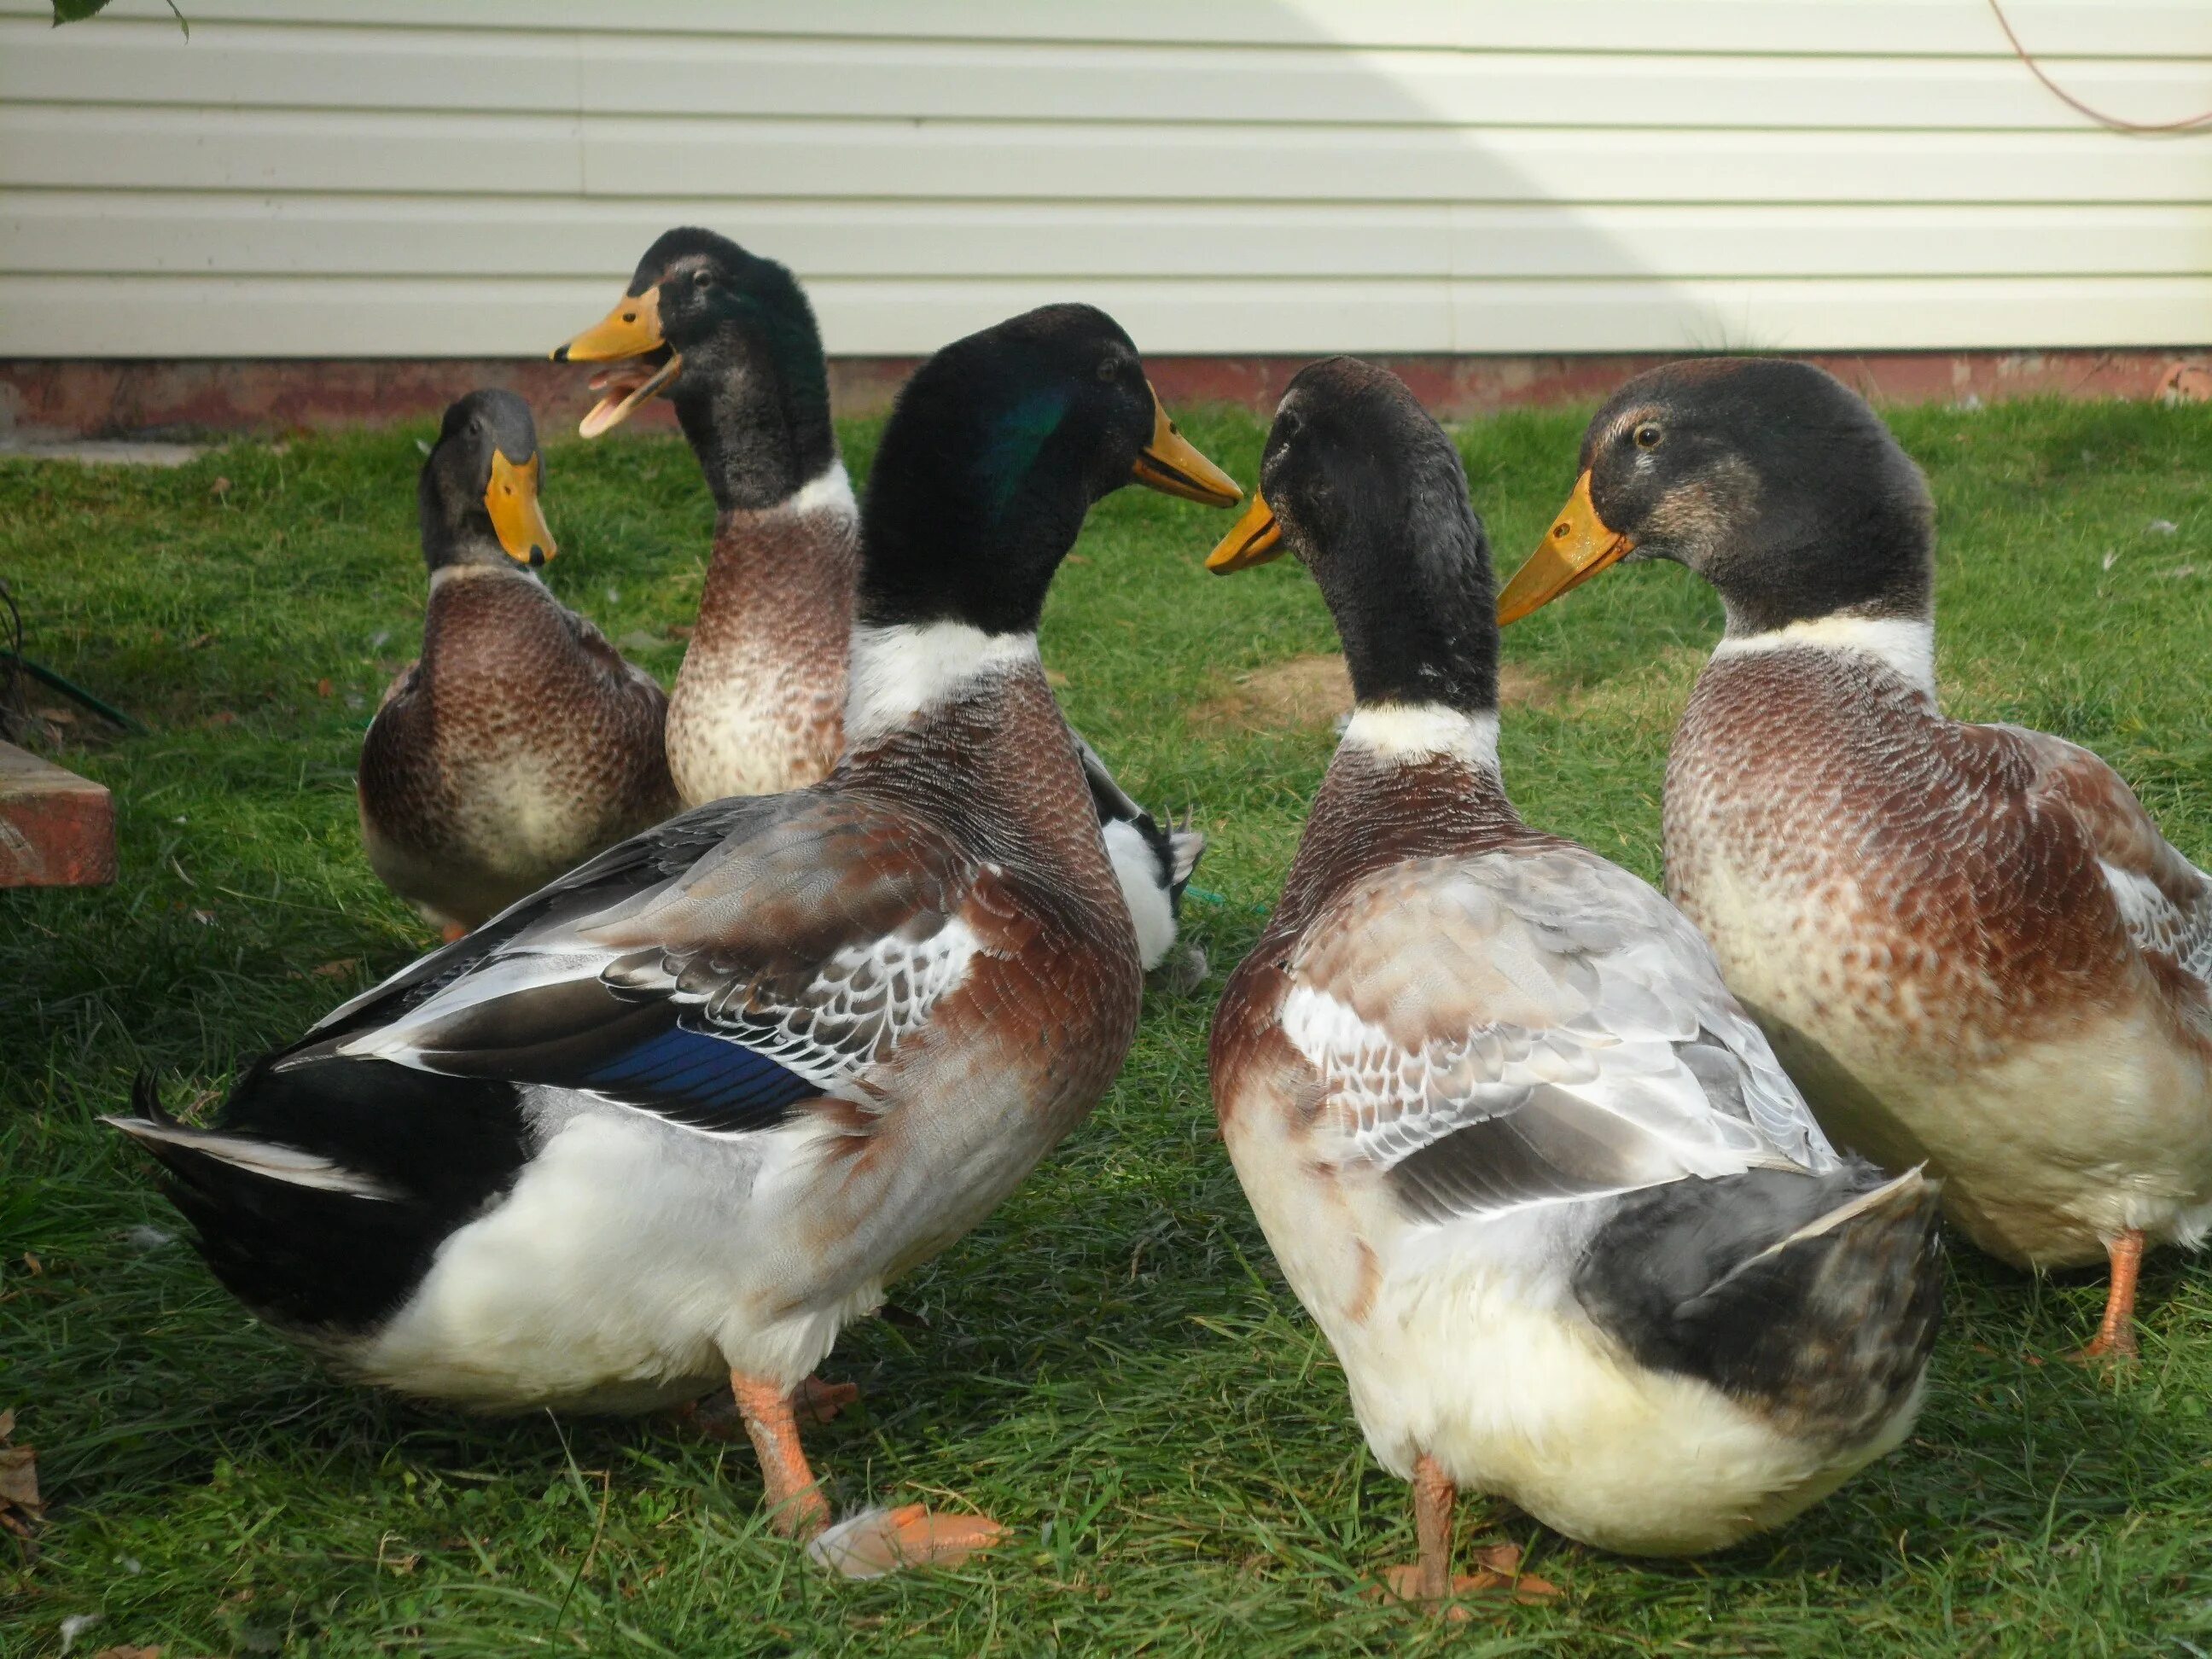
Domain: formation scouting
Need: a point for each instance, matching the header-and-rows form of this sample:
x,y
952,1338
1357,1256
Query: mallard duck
x,y
730,340
520,743
728,337
681,1115
1970,944
1575,1238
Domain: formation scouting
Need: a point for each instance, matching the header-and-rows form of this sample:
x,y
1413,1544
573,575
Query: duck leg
x,y
813,1401
2116,1333
1434,1497
1431,1580
796,1506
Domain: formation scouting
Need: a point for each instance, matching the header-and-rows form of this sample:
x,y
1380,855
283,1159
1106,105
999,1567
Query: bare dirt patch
x,y
1315,691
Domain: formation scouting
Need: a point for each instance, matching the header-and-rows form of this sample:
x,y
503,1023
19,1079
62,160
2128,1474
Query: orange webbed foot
x,y
2117,1348
878,1541
1499,1574
818,1401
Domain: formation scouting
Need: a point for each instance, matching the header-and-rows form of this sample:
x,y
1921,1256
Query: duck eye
x,y
1108,370
1648,435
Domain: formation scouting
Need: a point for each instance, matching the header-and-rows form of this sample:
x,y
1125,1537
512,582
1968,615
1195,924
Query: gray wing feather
x,y
1527,1026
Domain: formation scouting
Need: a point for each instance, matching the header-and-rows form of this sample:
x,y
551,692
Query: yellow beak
x,y
1580,545
632,329
1253,539
1171,464
511,498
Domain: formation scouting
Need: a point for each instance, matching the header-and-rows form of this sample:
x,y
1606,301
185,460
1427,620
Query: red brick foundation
x,y
45,399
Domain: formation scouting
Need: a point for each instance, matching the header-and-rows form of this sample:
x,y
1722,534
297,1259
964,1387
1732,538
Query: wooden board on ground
x,y
57,830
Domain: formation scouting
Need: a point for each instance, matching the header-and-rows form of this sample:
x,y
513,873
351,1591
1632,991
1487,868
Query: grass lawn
x,y
1111,1364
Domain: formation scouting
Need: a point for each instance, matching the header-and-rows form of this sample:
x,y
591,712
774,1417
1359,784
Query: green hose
x,y
76,693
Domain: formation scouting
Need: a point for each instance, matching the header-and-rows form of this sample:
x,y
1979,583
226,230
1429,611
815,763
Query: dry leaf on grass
x,y
128,1653
21,1507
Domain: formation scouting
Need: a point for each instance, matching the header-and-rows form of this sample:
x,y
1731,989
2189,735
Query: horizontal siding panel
x,y
151,234
1962,27
255,68
217,149
361,178
479,71
56,146
160,317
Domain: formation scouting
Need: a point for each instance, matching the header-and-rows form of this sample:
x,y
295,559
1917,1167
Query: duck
x,y
1970,943
676,1119
520,743
729,338
1575,1239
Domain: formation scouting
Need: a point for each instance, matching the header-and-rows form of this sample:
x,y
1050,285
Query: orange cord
x,y
2116,123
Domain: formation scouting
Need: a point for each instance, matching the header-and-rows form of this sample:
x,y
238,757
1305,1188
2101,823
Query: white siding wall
x,y
430,178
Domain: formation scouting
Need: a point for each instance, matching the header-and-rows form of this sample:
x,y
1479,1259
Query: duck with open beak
x,y
630,336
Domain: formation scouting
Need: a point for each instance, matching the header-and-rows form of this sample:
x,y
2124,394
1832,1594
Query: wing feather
x,y
718,971
1525,1027
2164,900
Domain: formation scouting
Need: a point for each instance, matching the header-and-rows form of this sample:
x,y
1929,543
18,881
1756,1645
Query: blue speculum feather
x,y
701,1080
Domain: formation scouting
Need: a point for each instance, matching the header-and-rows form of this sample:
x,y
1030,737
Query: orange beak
x,y
1580,545
517,518
630,331
1171,464
1253,539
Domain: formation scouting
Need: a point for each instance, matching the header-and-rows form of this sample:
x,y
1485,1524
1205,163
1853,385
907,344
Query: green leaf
x,y
75,11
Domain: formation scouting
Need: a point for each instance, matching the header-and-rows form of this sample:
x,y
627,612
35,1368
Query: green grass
x,y
1111,1364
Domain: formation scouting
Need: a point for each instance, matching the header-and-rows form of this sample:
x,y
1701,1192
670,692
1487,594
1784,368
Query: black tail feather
x,y
316,1259
1813,1299
146,1100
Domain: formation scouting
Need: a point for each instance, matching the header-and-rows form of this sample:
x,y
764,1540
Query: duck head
x,y
1770,479
477,493
994,452
1362,486
729,338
